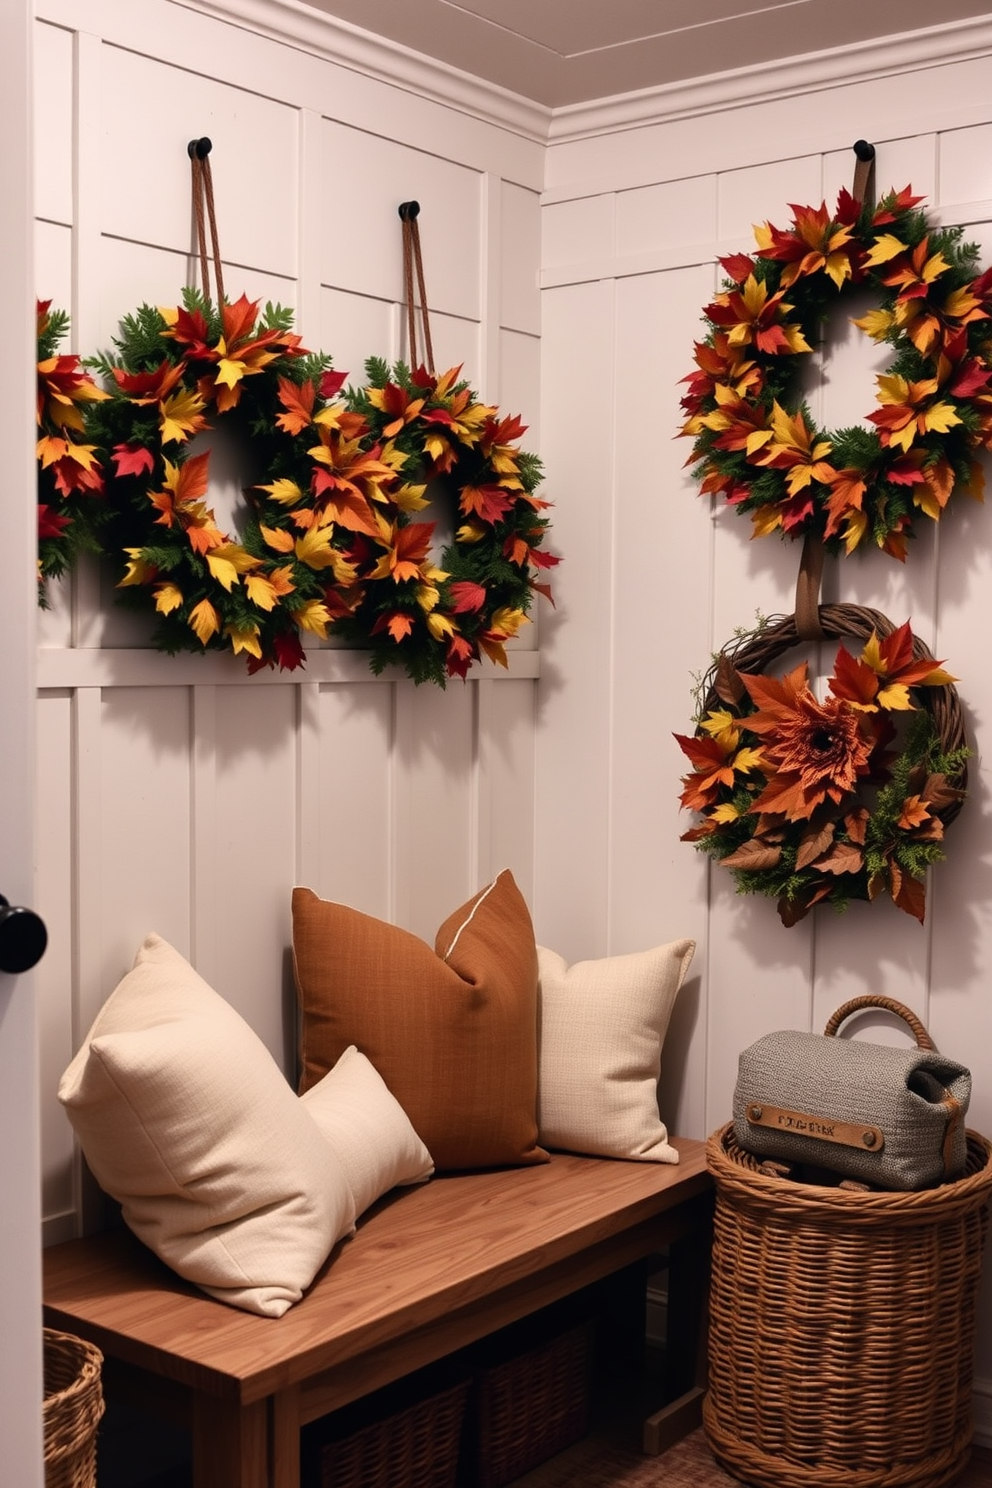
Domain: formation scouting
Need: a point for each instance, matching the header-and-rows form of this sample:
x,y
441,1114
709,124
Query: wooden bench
x,y
430,1270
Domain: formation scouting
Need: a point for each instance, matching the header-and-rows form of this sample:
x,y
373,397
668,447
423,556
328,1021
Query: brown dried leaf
x,y
753,855
937,792
727,683
912,897
856,822
843,857
813,843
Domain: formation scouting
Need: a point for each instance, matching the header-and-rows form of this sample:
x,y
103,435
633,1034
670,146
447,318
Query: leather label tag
x,y
823,1128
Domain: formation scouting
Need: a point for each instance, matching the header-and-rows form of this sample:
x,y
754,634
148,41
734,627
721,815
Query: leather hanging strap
x,y
808,627
863,189
204,214
413,261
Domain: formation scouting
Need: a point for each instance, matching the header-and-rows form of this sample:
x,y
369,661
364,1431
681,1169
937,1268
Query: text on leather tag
x,y
823,1128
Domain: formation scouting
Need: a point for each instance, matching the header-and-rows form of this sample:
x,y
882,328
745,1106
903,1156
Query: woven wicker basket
x,y
842,1326
529,1406
414,1446
72,1409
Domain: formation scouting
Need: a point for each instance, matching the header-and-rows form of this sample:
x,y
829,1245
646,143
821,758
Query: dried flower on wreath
x,y
756,443
830,799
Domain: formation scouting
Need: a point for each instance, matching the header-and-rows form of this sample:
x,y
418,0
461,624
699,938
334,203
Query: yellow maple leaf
x,y
313,616
409,498
244,638
181,416
276,539
168,597
204,621
138,571
940,417
222,569
440,625
876,324
886,247
285,491
725,813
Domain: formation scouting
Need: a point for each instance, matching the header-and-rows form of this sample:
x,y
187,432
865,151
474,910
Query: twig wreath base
x,y
808,802
755,442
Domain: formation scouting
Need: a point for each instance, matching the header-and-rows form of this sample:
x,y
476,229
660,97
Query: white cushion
x,y
601,1029
186,1119
367,1129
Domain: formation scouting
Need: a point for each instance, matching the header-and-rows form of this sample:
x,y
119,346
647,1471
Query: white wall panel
x,y
362,234
434,804
147,193
354,327
349,791
520,257
55,976
251,859
506,783
573,231
144,808
575,693
964,159
53,123
53,269
662,216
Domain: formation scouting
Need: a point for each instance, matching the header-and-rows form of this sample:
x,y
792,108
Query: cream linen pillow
x,y
186,1119
601,1028
367,1129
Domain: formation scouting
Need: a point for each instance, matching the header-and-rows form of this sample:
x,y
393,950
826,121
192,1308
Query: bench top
x,y
419,1255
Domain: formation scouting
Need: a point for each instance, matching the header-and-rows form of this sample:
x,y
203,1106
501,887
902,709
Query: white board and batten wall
x,y
179,794
568,258
639,201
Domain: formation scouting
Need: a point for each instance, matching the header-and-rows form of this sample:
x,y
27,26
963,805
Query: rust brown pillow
x,y
452,1031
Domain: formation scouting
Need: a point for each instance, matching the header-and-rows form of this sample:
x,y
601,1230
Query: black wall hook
x,y
200,148
864,150
409,210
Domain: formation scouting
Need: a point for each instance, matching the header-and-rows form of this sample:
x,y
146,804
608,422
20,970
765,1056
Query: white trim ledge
x,y
88,667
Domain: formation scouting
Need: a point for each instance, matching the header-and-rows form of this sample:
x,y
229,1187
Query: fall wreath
x,y
755,441
811,800
70,475
326,538
440,436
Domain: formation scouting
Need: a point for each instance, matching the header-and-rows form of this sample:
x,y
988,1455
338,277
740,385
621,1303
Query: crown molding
x,y
882,57
337,41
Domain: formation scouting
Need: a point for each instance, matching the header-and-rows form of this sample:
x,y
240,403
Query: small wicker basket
x,y
72,1410
404,1436
842,1326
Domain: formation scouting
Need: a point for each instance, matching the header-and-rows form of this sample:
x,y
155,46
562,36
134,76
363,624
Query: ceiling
x,y
559,52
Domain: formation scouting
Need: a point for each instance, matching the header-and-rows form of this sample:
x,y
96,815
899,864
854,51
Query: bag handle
x,y
889,1005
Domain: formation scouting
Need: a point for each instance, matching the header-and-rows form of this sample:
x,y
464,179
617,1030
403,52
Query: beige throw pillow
x,y
186,1119
602,1025
367,1129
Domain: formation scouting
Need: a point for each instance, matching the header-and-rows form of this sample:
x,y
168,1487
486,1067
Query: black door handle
x,y
23,937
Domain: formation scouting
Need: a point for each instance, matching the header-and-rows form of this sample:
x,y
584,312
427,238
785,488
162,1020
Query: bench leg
x,y
284,1435
230,1444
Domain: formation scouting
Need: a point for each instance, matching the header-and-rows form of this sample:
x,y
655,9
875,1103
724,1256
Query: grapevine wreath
x,y
327,539
810,800
70,476
755,441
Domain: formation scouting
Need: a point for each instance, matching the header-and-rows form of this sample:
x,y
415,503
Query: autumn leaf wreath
x,y
831,799
328,541
755,443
